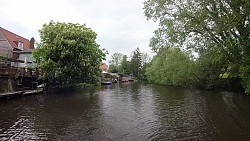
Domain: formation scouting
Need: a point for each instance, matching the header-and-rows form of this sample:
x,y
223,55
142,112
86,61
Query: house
x,y
15,61
105,76
15,48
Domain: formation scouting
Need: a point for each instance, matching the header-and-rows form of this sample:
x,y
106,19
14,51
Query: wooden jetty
x,y
20,93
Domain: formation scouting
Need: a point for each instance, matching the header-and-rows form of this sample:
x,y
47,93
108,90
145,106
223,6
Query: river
x,y
127,112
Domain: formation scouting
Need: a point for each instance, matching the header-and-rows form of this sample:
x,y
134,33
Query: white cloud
x,y
120,24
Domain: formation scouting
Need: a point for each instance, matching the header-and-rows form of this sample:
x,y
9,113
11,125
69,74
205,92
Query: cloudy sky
x,y
120,24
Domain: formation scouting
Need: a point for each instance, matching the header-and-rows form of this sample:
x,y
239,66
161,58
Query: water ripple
x,y
127,112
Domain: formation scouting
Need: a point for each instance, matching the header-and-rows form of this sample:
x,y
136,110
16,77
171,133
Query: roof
x,y
13,39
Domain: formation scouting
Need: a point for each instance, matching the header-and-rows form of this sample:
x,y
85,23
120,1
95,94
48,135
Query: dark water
x,y
127,112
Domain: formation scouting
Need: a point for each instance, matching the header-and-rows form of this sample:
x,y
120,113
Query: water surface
x,y
127,112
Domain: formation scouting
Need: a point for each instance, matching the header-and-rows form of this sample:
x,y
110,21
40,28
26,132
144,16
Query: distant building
x,y
103,67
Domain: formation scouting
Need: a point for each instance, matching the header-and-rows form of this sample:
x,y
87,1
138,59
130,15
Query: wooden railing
x,y
15,72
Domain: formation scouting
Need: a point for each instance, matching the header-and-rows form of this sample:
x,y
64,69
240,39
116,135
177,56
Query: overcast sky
x,y
120,24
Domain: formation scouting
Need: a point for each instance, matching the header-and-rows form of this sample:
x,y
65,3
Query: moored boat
x,y
106,83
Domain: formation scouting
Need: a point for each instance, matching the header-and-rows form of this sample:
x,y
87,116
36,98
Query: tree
x,y
116,59
113,68
210,66
203,24
171,66
136,63
124,68
115,62
145,58
145,63
68,53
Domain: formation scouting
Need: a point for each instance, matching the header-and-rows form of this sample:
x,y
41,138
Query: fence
x,y
15,72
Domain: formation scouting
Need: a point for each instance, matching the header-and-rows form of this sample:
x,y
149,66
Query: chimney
x,y
32,43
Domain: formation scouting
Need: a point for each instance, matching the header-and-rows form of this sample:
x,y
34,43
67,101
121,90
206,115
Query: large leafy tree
x,y
68,53
199,25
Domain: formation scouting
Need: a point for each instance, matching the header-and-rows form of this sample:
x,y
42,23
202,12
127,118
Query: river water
x,y
127,112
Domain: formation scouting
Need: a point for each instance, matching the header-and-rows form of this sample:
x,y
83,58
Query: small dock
x,y
20,93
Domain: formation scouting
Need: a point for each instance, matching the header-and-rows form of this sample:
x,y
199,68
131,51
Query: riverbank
x,y
223,84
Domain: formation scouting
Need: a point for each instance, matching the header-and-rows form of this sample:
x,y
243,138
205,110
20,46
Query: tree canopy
x,y
205,26
68,53
115,62
124,68
116,59
136,63
171,67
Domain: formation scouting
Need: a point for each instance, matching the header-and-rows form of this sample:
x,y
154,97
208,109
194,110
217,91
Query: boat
x,y
106,83
41,86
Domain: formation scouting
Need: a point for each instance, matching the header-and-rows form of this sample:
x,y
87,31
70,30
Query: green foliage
x,y
145,63
210,65
68,53
136,63
171,66
115,62
245,75
113,68
206,26
145,58
124,68
116,59
143,71
119,64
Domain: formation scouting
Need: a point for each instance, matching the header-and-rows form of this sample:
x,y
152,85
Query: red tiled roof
x,y
14,39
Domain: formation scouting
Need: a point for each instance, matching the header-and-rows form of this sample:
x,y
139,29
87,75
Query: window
x,y
20,45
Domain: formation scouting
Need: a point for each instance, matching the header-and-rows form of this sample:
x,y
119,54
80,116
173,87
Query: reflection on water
x,y
127,111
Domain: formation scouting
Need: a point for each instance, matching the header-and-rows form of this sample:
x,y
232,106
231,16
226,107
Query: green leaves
x,y
204,26
116,59
68,53
136,63
171,66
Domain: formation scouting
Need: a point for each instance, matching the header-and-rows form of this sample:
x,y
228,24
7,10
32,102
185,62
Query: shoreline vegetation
x,y
69,56
200,44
